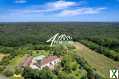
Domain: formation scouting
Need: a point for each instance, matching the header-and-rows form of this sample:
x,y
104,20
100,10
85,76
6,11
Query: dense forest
x,y
18,34
106,35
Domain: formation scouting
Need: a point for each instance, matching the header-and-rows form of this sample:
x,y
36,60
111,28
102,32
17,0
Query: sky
x,y
59,10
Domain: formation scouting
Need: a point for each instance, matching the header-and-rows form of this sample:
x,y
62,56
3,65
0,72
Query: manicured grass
x,y
16,61
39,52
98,61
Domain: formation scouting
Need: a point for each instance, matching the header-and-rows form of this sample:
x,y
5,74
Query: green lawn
x,y
39,52
16,61
98,61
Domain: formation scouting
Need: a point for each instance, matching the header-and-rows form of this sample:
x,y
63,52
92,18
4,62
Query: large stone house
x,y
41,62
26,62
49,62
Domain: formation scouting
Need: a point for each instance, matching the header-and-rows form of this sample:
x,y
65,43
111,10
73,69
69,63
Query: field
x,y
101,63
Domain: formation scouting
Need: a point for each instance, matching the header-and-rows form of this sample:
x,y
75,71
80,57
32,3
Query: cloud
x,y
54,6
20,1
80,11
57,8
61,4
48,7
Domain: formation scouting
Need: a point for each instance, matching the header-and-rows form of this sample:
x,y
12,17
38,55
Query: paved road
x,y
3,77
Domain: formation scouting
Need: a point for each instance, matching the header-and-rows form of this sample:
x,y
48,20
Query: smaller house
x,y
38,58
35,61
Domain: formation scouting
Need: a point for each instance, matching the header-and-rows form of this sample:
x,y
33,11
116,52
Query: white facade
x,y
51,64
36,64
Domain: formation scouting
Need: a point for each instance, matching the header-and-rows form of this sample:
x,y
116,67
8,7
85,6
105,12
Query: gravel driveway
x,y
3,77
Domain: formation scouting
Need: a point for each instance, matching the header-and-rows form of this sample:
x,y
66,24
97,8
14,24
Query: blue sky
x,y
59,10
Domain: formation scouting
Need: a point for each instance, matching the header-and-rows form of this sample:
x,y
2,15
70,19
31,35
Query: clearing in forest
x,y
101,63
